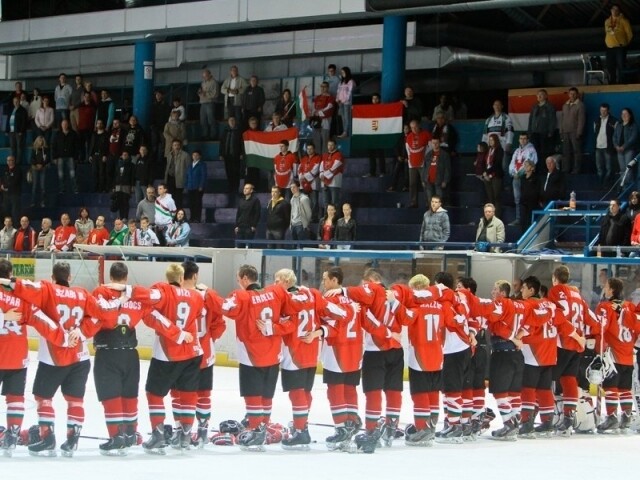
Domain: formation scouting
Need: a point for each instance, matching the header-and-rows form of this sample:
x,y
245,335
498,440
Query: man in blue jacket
x,y
195,184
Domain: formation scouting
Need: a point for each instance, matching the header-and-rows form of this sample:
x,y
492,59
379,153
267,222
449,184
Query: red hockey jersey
x,y
343,340
572,306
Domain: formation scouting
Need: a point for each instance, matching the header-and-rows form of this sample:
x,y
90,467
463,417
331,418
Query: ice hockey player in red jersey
x,y
60,367
565,373
177,354
620,327
15,316
300,351
256,311
542,324
116,366
341,358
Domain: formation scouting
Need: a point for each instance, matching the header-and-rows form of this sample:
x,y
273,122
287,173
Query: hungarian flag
x,y
261,147
376,126
304,111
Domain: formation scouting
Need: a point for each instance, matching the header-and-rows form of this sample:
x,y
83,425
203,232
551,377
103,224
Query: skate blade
x,y
452,441
300,448
114,453
253,448
421,443
155,451
611,431
8,452
584,432
527,436
544,435
509,438
44,453
564,433
67,453
469,438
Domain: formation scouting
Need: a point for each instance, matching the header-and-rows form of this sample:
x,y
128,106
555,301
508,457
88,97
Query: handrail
x,y
298,244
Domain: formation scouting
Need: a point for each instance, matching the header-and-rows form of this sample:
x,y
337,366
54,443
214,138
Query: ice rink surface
x,y
581,456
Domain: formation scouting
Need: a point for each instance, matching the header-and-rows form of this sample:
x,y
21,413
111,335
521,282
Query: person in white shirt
x,y
526,151
603,128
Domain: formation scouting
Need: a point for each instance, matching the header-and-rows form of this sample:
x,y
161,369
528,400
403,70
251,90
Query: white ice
x,y
587,456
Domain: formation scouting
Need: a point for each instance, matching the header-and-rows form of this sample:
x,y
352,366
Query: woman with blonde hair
x,y
39,161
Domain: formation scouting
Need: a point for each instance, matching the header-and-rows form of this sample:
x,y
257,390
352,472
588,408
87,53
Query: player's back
x,y
118,332
568,299
343,342
427,335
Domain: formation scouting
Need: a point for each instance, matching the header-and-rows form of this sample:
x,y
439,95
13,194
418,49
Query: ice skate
x,y
418,438
451,434
544,430
526,429
200,439
253,440
156,443
367,442
341,439
566,425
116,446
71,444
42,446
388,432
299,440
10,440
508,433
609,425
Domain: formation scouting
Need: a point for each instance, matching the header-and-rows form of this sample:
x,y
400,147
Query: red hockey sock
x,y
504,405
373,408
267,404
569,394
75,411
434,405
187,409
351,401
394,403
46,415
626,400
300,408
453,403
611,400
15,410
254,411
156,409
175,406
546,404
337,403
113,414
467,405
203,405
516,402
478,400
528,402
309,398
421,410
130,407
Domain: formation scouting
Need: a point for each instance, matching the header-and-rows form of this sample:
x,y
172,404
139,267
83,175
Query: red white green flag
x,y
376,126
261,147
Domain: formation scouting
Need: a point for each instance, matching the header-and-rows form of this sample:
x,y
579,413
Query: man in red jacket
x,y
416,144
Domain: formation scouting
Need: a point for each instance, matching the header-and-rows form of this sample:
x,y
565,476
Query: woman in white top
x,y
44,120
345,99
83,225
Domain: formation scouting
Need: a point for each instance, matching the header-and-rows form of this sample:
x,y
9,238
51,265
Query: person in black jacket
x,y
603,128
231,153
17,124
278,216
143,175
124,184
552,184
615,229
99,156
65,151
160,111
530,193
247,215
11,189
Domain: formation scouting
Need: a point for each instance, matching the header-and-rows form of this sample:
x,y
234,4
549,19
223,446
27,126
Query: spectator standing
x,y
286,107
633,207
83,225
445,108
344,99
524,152
252,102
490,229
147,206
85,114
45,236
345,228
88,87
625,142
106,110
332,79
39,161
618,35
99,156
116,140
75,101
7,234
143,174
65,153
62,99
45,117
571,130
174,129
493,173
530,193
615,229
604,127
124,182
179,231
195,184
284,164
207,95
327,226
437,171
376,155
17,125
553,184
308,174
278,216
300,213
399,178
247,214
179,107
448,136
416,144
176,171
11,188
331,170
233,89
412,107
160,112
133,139
323,111
34,106
232,154
501,124
435,223
543,124
276,124
26,236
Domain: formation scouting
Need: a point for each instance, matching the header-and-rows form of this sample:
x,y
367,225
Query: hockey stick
x,y
90,437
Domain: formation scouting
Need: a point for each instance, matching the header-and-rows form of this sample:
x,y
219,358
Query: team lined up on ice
x,y
281,329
